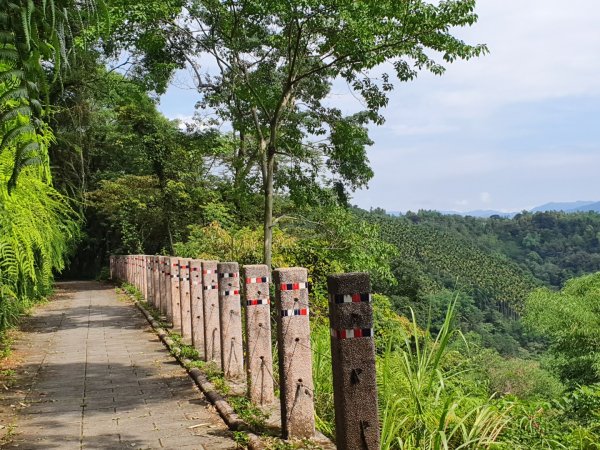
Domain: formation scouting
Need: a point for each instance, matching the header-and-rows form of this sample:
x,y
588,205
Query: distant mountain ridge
x,y
567,207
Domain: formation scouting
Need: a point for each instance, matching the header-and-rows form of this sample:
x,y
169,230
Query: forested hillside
x,y
551,247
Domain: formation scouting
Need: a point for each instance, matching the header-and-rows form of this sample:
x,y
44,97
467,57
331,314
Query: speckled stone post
x,y
144,277
174,314
259,365
185,300
162,285
137,271
131,269
230,313
197,306
155,285
128,268
149,260
111,267
295,359
353,361
147,278
212,326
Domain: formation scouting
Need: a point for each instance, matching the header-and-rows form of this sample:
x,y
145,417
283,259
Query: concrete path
x,y
94,375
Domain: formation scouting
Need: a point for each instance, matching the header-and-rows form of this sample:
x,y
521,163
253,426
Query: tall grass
x,y
424,400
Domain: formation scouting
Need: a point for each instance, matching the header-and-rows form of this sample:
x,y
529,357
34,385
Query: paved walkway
x,y
94,375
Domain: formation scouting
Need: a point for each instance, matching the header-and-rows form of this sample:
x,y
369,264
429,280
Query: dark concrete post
x,y
230,313
353,361
295,358
212,327
197,306
185,300
175,304
258,334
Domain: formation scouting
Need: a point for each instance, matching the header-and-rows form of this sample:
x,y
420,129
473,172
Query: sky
x,y
514,129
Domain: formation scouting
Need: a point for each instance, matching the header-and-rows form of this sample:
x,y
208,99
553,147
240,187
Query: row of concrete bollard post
x,y
202,300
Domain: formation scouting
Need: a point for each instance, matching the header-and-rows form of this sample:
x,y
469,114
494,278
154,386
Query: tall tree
x,y
273,66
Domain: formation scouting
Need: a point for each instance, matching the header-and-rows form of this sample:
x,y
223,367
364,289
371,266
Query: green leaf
x,y
14,133
13,113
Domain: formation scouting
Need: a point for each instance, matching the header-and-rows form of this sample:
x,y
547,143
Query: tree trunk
x,y
268,217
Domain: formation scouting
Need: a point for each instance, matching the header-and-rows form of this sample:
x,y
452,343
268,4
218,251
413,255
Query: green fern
x,y
32,36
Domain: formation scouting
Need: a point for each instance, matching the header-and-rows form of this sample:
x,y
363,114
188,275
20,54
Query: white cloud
x,y
451,137
485,197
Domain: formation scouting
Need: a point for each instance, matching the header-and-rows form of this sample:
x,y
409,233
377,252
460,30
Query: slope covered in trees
x,y
551,247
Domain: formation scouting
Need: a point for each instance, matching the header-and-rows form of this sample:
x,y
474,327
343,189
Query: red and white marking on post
x,y
351,333
232,292
294,312
364,297
229,275
293,286
258,301
257,280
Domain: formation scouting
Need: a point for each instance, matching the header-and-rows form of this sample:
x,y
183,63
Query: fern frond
x,y
13,113
14,133
12,74
7,37
13,94
25,29
8,55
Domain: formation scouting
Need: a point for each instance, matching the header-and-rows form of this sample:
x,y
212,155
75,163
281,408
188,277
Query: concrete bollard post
x,y
353,361
295,358
212,327
197,306
136,271
111,267
155,282
167,305
174,306
148,281
144,277
162,277
258,334
149,275
185,300
230,313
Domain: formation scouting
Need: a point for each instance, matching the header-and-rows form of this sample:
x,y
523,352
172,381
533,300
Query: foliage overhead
x,y
275,63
